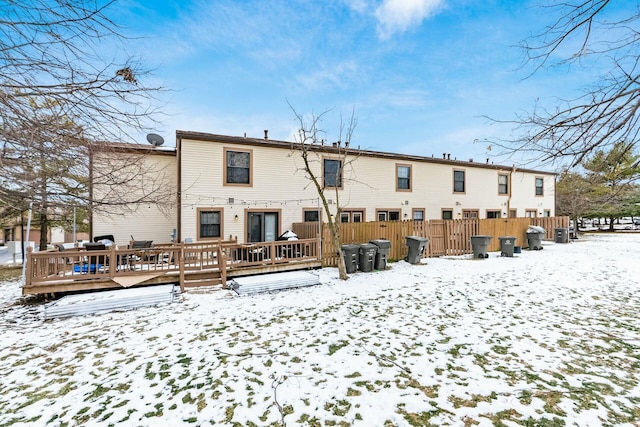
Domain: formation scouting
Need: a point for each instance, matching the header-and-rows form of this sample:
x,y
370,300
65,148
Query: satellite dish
x,y
155,139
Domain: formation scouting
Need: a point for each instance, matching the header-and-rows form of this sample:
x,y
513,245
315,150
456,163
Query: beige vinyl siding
x,y
146,221
369,184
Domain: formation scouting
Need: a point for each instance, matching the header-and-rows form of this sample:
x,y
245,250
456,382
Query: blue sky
x,y
420,74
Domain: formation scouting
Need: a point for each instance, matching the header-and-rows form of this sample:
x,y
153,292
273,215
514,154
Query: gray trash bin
x,y
382,253
507,245
367,257
480,246
562,235
416,246
534,240
350,254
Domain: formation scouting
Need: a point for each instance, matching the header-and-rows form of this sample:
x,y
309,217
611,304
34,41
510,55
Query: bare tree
x,y
607,111
311,144
55,50
62,94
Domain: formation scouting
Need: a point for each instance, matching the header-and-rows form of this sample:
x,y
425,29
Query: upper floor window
x,y
503,184
237,167
332,173
539,187
209,224
403,178
458,181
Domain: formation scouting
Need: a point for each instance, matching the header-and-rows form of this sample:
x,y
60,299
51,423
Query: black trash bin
x,y
507,245
350,254
416,246
562,235
382,253
480,246
367,257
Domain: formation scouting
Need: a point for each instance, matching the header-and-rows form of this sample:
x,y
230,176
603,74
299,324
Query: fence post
x,y
222,265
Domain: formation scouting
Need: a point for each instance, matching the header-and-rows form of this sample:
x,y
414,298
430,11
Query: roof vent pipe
x,y
266,134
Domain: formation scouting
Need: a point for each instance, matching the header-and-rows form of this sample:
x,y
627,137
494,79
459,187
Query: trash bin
x,y
350,255
507,245
367,257
416,248
382,253
534,237
480,246
562,235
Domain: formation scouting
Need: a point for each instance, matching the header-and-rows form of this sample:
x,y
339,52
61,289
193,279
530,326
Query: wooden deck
x,y
190,265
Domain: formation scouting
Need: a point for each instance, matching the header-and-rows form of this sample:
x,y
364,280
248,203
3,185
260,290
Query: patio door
x,y
262,226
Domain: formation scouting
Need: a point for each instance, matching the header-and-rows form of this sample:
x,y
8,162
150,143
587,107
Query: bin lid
x,y
366,246
381,243
350,247
418,238
507,238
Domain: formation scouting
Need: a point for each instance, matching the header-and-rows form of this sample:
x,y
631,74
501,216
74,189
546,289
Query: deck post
x,y
29,267
113,262
222,265
273,252
181,264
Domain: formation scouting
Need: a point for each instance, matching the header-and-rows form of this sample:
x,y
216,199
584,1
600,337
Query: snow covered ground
x,y
545,338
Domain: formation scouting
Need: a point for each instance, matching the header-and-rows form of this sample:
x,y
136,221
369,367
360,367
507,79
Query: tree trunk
x,y
44,231
611,221
335,240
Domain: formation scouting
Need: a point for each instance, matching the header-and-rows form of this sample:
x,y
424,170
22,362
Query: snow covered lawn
x,y
546,338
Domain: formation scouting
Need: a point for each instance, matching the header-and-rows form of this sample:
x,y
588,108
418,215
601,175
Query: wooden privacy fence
x,y
446,237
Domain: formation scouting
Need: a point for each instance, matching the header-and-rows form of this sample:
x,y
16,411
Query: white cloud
x,y
397,16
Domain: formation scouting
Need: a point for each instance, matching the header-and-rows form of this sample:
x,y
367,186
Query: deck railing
x,y
79,264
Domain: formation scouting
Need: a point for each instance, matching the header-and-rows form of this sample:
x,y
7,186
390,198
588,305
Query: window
x,y
458,181
403,181
332,172
418,214
385,215
237,167
547,213
470,214
311,215
493,214
209,223
351,216
447,214
513,213
539,187
503,184
530,213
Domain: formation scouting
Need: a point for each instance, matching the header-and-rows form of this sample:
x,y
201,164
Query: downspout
x,y
513,170
179,190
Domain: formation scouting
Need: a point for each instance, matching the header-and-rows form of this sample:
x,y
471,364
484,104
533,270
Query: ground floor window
x,y
530,213
493,214
447,213
209,223
311,215
470,214
513,213
418,214
385,215
349,215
